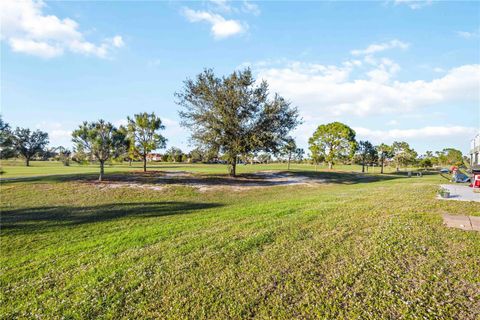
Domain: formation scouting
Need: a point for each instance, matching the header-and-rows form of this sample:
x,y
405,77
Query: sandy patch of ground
x,y
161,180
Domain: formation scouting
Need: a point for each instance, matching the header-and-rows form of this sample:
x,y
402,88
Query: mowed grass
x,y
17,169
362,246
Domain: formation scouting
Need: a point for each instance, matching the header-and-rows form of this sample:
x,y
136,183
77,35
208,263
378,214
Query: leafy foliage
x,y
234,116
332,141
367,153
7,149
403,154
384,152
143,132
29,143
101,140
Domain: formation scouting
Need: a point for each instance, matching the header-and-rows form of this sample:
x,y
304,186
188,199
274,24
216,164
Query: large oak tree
x,y
234,115
331,142
29,143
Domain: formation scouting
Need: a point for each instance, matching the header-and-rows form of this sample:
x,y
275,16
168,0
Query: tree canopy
x,y
29,143
367,152
403,154
384,152
234,115
143,132
332,141
101,140
7,149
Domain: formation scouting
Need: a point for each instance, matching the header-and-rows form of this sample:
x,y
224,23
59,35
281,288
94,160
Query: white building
x,y
475,151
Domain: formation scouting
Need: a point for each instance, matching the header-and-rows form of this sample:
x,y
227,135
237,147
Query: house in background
x,y
475,151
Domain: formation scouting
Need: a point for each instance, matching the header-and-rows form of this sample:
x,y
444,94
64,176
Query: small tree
x,y
235,116
64,155
264,158
384,152
451,157
403,154
367,153
196,155
288,150
299,153
101,140
143,129
174,154
28,143
331,142
7,149
426,163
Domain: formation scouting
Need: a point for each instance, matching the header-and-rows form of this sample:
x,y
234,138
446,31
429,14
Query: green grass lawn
x,y
360,246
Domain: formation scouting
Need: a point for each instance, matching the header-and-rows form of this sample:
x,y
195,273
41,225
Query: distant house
x,y
475,151
154,157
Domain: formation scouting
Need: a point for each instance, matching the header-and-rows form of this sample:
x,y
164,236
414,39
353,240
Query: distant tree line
x,y
233,119
335,143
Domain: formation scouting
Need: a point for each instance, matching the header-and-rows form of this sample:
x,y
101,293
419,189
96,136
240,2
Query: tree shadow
x,y
344,177
259,179
26,220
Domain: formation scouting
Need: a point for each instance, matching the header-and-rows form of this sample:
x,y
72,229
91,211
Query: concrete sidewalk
x,y
468,223
460,193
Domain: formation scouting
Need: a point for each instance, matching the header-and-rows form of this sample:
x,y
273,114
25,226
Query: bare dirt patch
x,y
159,180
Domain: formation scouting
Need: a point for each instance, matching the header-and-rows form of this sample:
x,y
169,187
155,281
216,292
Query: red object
x,y
453,168
476,180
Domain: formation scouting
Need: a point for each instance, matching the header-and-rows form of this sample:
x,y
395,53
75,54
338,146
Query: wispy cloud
x,y
251,7
220,27
424,132
414,4
378,47
28,30
468,34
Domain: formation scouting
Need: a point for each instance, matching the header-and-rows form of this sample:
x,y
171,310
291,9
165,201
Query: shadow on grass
x,y
34,219
259,179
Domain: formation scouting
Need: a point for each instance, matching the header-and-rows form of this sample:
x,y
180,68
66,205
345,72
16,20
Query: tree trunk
x,y
102,171
129,162
381,170
233,167
27,162
145,163
363,166
289,158
330,165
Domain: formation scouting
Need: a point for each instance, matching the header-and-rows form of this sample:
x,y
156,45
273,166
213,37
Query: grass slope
x,y
358,247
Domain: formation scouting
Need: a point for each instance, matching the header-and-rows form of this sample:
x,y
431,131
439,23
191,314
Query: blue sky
x,y
392,70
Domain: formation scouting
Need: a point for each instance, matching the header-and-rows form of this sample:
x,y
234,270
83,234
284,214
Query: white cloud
x,y
222,5
154,63
250,7
378,47
117,41
330,90
220,27
28,30
419,133
468,34
414,4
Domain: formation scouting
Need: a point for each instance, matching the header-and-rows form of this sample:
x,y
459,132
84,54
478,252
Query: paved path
x,y
460,193
468,223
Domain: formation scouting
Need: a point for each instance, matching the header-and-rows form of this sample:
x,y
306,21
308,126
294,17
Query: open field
x,y
346,245
17,168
